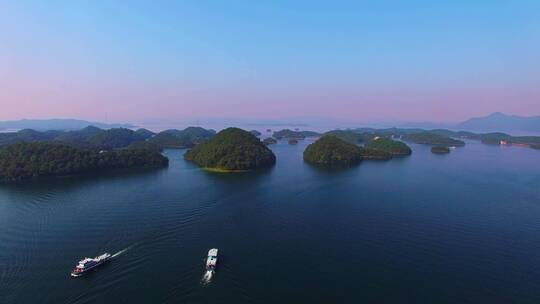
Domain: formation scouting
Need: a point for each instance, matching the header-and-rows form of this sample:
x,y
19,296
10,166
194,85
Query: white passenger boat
x,y
211,263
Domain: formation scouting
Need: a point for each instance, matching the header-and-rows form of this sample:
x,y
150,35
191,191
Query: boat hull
x,y
83,272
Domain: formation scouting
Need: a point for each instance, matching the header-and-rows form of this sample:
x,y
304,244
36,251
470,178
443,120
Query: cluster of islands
x,y
29,154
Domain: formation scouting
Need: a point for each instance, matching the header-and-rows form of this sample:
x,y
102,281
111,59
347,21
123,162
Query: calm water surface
x,y
457,228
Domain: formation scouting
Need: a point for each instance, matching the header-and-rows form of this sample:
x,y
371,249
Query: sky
x,y
366,61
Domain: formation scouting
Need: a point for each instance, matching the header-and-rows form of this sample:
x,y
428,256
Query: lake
x,y
456,228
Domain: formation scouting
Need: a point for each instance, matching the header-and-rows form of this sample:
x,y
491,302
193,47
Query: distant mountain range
x,y
56,124
503,123
495,122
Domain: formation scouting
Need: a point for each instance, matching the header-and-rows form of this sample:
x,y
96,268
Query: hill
x,y
395,148
346,135
56,124
331,151
232,149
269,141
290,134
23,161
428,138
144,133
497,122
179,139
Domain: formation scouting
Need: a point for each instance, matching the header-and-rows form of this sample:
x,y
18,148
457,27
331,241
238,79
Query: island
x,y
269,141
395,148
440,150
293,141
290,134
22,161
331,151
145,133
346,135
374,154
255,132
95,138
231,150
180,139
434,139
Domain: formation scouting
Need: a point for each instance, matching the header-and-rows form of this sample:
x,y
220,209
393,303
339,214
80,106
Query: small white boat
x,y
211,263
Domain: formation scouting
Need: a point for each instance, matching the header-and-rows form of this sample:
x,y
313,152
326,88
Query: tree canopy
x,y
186,138
331,151
30,160
393,147
428,138
232,149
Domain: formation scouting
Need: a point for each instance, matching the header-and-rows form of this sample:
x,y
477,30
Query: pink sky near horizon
x,y
125,100
190,60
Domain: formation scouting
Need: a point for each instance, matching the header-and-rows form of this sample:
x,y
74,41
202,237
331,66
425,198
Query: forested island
x,y
428,138
269,141
23,161
110,139
347,135
290,134
230,150
331,151
375,154
92,149
440,150
179,139
255,132
28,153
395,148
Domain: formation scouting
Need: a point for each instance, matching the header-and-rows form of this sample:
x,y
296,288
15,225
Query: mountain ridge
x,y
57,124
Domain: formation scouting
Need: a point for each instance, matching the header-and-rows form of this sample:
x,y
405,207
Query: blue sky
x,y
353,60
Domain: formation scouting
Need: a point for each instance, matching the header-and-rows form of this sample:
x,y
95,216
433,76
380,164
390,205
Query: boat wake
x,y
122,251
207,277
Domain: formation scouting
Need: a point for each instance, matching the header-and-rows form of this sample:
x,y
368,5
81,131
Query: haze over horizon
x,y
391,61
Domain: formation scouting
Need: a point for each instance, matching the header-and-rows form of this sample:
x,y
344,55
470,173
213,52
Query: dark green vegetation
x,y
269,141
440,150
330,151
145,145
111,139
114,139
30,160
89,137
395,148
428,138
27,135
255,132
293,141
494,138
349,136
232,149
178,139
290,134
144,133
374,154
